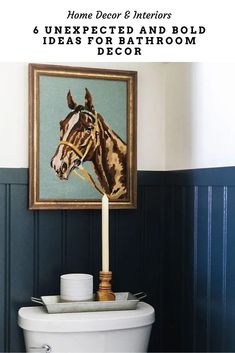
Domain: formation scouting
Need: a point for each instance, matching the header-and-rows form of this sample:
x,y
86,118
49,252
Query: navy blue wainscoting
x,y
199,261
178,246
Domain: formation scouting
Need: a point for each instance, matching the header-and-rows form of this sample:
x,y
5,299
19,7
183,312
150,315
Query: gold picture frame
x,y
82,122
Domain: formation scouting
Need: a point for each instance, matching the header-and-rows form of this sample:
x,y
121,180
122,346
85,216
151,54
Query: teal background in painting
x,y
109,98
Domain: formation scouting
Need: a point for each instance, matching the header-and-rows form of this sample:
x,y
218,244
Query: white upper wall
x,y
151,125
186,114
13,115
200,117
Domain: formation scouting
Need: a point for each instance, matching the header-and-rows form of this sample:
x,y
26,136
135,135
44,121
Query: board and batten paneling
x,y
178,246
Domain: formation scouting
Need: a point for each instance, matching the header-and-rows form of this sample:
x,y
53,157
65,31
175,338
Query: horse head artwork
x,y
84,136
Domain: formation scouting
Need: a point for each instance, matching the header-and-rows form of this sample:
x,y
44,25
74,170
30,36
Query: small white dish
x,y
76,287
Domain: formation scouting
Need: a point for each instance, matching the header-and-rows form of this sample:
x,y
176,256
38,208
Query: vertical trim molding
x,y
36,253
195,240
208,290
63,241
224,265
7,335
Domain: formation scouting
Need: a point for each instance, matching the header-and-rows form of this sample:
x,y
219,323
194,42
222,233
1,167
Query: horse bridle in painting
x,y
85,174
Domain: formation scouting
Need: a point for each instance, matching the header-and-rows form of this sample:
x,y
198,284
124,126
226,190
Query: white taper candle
x,y
105,233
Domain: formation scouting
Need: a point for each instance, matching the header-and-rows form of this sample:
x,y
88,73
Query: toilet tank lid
x,y
37,319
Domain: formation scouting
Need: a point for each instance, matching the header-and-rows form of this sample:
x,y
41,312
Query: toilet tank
x,y
110,331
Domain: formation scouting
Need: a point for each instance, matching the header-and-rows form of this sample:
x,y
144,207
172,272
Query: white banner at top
x,y
72,31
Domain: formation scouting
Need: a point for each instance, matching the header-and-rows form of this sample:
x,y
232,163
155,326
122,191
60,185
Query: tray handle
x,y
36,300
140,295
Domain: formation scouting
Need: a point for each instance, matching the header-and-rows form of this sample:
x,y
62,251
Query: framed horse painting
x,y
82,140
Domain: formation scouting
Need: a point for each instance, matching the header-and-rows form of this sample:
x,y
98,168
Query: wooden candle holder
x,y
105,292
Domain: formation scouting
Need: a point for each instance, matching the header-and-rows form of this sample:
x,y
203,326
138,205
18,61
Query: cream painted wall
x,y
151,125
186,114
13,115
200,115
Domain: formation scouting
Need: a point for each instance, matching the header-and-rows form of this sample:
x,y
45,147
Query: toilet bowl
x,y
109,331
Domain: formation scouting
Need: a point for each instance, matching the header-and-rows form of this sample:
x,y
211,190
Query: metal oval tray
x,y
123,301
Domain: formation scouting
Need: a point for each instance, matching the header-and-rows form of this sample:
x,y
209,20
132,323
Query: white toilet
x,y
109,331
